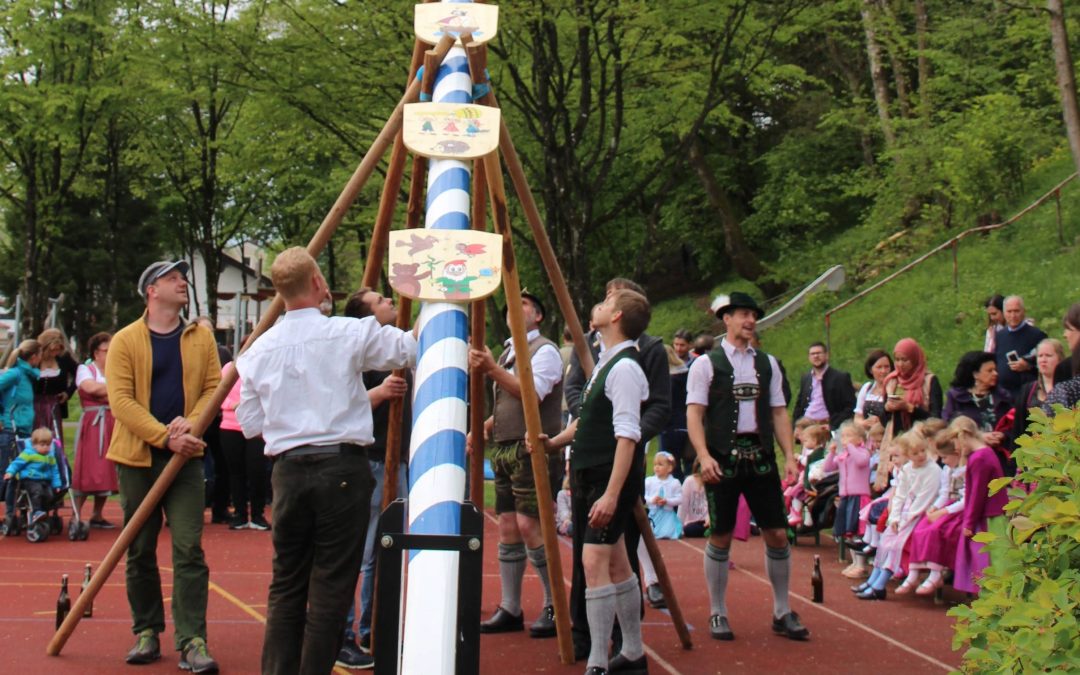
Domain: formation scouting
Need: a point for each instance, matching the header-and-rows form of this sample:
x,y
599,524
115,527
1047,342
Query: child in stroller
x,y
39,477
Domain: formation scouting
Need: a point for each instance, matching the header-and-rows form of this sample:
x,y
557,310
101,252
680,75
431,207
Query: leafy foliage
x,y
1027,615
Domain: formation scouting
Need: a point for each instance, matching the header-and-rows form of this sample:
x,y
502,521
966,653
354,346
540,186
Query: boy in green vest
x,y
735,408
604,438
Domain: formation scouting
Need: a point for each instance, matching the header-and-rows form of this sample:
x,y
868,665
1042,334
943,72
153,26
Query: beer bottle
x,y
63,603
89,611
816,581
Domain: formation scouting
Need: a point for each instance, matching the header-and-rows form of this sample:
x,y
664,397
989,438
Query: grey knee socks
x,y
778,565
600,605
716,575
539,563
628,609
511,571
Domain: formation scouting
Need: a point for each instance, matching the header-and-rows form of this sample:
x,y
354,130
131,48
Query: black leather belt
x,y
332,449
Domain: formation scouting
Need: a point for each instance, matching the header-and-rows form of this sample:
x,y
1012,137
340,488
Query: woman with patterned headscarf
x,y
912,392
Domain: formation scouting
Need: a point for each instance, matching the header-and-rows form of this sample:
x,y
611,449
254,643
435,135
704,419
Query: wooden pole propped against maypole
x,y
315,247
477,61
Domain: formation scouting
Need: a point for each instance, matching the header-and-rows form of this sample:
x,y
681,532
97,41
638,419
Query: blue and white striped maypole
x,y
437,448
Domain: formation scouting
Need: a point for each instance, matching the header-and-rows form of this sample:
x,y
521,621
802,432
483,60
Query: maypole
x,y
437,446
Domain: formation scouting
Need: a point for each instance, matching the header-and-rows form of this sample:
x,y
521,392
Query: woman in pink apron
x,y
93,474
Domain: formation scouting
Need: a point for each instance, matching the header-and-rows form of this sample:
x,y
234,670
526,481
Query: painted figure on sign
x,y
406,280
455,280
450,127
471,250
419,244
428,127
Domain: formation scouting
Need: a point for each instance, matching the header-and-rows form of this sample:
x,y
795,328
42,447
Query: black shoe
x,y
195,657
220,518
869,551
503,621
581,649
621,664
365,643
859,588
719,628
238,523
789,626
350,656
871,594
258,523
101,524
544,626
147,648
655,596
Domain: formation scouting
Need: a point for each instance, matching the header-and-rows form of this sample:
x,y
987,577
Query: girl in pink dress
x,y
934,542
982,512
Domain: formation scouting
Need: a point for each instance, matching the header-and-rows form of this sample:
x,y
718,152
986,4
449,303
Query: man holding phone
x,y
1014,348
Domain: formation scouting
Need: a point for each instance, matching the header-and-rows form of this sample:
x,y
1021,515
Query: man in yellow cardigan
x,y
160,374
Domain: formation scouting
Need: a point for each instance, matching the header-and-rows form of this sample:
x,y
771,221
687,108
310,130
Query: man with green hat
x,y
735,410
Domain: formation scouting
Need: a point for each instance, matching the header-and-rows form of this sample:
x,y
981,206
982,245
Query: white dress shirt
x,y
626,387
301,381
546,365
742,362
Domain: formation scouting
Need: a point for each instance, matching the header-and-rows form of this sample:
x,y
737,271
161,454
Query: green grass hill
x,y
1024,258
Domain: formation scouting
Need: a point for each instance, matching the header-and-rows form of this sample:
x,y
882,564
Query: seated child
x,y
935,539
37,470
563,524
915,490
853,462
663,494
694,509
814,440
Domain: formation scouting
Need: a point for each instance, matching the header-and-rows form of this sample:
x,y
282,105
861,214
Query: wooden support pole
x,y
414,212
477,394
476,54
318,242
662,576
530,404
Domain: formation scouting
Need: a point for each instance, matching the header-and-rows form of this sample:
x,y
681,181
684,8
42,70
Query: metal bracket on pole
x,y
392,541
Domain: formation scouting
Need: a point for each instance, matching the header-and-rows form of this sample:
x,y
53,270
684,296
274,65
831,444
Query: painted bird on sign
x,y
419,244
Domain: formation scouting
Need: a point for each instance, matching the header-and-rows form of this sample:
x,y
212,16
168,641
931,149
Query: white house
x,y
244,292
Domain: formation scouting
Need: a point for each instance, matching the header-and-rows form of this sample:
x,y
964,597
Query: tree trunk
x,y
855,84
877,72
921,22
896,59
1066,78
746,263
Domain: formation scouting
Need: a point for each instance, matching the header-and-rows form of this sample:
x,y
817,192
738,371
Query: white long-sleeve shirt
x,y
301,381
546,365
951,489
917,488
626,387
672,491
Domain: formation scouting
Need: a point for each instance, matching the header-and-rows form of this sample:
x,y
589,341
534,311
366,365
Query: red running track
x,y
901,635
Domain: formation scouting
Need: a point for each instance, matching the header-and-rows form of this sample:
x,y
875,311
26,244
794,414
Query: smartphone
x,y
1012,356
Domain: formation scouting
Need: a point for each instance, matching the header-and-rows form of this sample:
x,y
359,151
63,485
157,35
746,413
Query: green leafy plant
x,y
1026,615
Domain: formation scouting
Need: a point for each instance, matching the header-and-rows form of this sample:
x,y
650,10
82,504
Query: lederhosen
x,y
747,461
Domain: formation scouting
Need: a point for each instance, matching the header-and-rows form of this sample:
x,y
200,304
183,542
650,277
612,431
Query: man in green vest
x,y
735,409
602,483
515,488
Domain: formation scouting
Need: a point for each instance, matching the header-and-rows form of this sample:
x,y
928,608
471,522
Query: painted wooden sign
x,y
432,20
440,265
451,130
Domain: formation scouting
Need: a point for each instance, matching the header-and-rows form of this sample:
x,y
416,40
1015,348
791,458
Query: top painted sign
x,y
435,19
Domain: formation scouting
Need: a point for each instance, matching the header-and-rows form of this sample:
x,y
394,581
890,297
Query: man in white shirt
x,y
301,389
515,487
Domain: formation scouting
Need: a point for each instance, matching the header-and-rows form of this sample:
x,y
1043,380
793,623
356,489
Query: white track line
x,y
648,650
838,615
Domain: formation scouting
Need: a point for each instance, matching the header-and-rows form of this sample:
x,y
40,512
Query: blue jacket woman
x,y
17,389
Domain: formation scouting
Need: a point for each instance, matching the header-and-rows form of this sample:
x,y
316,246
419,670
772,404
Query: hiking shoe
x,y
238,523
196,658
258,523
350,656
147,648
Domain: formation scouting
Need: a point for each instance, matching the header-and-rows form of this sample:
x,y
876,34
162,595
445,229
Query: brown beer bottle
x,y
63,603
89,611
817,582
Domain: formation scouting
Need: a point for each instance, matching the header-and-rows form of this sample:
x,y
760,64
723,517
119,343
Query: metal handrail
x,y
952,243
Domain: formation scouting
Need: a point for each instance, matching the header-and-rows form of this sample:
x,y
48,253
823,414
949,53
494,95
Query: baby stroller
x,y
52,523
